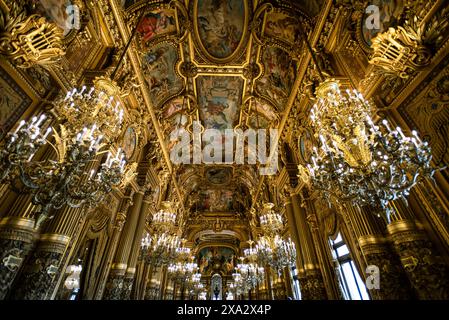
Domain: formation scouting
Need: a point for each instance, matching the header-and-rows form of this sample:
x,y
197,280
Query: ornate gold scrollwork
x,y
30,39
399,51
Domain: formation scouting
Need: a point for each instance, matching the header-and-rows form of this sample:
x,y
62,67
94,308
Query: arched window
x,y
351,283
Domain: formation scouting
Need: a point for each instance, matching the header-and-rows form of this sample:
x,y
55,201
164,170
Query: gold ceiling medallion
x,y
31,40
400,51
220,28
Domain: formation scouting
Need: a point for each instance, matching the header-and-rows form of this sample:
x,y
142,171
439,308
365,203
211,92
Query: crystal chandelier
x,y
72,179
270,221
182,271
159,249
358,161
250,253
164,220
182,252
276,252
100,104
248,275
271,249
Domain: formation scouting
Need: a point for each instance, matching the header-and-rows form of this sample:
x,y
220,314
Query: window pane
x,y
352,285
362,285
341,251
338,239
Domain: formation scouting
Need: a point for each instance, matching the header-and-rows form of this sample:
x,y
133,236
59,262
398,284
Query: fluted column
x,y
427,271
376,251
135,249
115,285
292,226
312,285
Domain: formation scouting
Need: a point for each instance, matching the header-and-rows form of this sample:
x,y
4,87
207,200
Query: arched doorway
x,y
216,287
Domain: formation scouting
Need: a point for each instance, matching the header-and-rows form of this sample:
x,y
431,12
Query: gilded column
x,y
130,278
377,252
427,271
115,285
117,230
17,237
295,237
43,266
18,232
312,285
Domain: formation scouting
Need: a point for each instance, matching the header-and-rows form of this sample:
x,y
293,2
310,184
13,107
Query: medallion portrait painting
x,y
129,142
156,23
220,25
213,259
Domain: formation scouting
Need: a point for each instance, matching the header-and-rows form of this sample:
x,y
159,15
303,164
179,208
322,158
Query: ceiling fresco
x,y
226,64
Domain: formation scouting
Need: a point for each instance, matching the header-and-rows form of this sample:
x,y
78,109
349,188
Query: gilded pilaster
x,y
312,283
376,251
135,249
117,287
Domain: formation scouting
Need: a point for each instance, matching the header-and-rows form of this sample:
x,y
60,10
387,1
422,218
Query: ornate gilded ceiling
x,y
233,64
228,64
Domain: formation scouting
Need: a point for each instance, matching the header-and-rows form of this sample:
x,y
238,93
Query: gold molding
x,y
54,237
20,223
372,240
119,266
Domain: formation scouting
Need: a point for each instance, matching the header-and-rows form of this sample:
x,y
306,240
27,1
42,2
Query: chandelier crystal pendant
x,y
358,161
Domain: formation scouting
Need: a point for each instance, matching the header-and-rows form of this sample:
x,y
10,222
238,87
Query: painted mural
x,y
279,76
129,142
218,176
265,109
220,25
177,122
13,102
389,11
282,26
219,100
215,200
158,64
174,106
259,122
55,11
216,258
156,23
